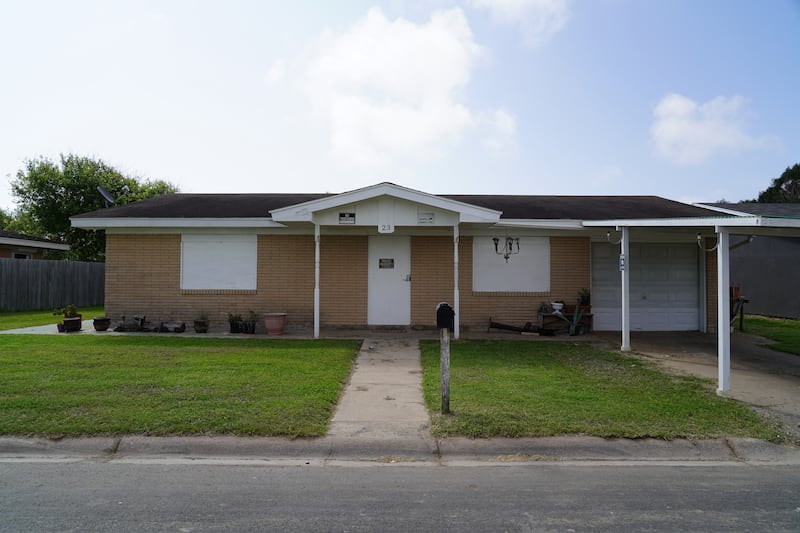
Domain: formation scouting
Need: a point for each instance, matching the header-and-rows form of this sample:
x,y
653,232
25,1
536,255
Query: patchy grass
x,y
89,385
26,319
534,389
785,332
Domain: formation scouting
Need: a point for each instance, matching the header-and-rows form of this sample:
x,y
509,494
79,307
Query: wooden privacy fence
x,y
33,284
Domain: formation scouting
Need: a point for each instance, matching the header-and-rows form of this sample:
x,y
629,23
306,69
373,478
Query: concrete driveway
x,y
765,378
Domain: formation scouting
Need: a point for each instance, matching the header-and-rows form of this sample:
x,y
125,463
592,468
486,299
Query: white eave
x,y
727,222
103,223
541,223
33,244
304,212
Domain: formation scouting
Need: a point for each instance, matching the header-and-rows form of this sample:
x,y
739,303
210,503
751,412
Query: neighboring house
x,y
766,268
18,246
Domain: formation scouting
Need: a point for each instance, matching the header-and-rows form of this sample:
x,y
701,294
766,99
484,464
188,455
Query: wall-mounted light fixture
x,y
700,244
508,249
608,238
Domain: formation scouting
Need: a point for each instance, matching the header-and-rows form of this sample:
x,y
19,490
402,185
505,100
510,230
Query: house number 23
x,y
385,228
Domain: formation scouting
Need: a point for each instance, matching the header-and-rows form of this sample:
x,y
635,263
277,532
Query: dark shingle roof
x,y
204,206
583,207
767,210
512,207
14,235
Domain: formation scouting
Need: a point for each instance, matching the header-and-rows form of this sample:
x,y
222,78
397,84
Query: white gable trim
x,y
304,212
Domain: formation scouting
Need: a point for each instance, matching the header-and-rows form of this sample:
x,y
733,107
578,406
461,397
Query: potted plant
x,y
235,322
585,300
72,319
274,322
201,323
101,323
249,325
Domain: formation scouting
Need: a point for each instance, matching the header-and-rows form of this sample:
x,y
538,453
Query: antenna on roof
x,y
106,195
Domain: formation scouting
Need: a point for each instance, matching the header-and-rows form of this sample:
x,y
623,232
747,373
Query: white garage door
x,y
665,288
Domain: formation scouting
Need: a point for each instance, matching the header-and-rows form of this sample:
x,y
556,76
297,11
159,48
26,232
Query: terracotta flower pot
x,y
274,322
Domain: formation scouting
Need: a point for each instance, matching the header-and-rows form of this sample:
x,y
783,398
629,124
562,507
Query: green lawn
x,y
533,389
24,319
91,385
785,333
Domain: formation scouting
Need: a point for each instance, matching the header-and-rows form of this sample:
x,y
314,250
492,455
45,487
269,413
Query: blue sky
x,y
690,100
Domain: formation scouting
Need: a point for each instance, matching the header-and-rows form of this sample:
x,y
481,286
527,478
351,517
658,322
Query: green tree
x,y
49,193
5,219
785,189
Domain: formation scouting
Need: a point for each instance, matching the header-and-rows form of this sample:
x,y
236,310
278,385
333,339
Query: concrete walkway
x,y
382,405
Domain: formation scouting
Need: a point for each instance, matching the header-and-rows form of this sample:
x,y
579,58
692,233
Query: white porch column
x,y
624,267
723,311
316,281
456,295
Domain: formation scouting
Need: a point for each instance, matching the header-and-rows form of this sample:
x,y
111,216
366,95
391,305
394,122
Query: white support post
x,y
316,281
456,295
723,312
624,267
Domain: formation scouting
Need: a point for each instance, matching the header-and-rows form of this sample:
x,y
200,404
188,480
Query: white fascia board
x,y
750,221
103,223
303,212
541,223
33,244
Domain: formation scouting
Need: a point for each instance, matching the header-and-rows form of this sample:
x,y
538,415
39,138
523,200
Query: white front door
x,y
389,284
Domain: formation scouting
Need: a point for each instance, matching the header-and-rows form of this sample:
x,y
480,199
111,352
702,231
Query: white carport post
x,y
624,267
316,280
456,295
723,311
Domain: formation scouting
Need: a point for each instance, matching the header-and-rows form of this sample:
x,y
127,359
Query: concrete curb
x,y
447,451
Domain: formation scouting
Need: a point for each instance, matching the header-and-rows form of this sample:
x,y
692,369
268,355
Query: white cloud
x,y
501,128
538,20
276,72
389,89
686,132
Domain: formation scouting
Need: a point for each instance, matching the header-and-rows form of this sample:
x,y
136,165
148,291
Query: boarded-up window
x,y
218,262
526,271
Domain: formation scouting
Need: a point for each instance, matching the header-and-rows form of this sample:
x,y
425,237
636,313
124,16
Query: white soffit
x,y
750,221
304,212
541,223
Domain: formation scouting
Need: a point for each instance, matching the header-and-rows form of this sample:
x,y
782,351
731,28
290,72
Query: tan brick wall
x,y
432,282
343,281
143,277
431,277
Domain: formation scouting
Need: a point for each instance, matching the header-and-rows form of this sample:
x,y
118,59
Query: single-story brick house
x,y
15,245
386,255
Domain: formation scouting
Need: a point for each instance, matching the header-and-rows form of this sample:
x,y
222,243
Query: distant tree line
x,y
48,193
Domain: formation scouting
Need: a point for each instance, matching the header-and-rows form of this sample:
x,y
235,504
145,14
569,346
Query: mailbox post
x,y
445,321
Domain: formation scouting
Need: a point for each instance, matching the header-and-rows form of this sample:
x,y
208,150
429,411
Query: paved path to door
x,y
382,405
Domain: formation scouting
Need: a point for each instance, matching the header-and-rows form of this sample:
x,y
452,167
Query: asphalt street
x,y
531,497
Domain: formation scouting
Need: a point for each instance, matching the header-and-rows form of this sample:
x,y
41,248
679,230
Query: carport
x,y
717,234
